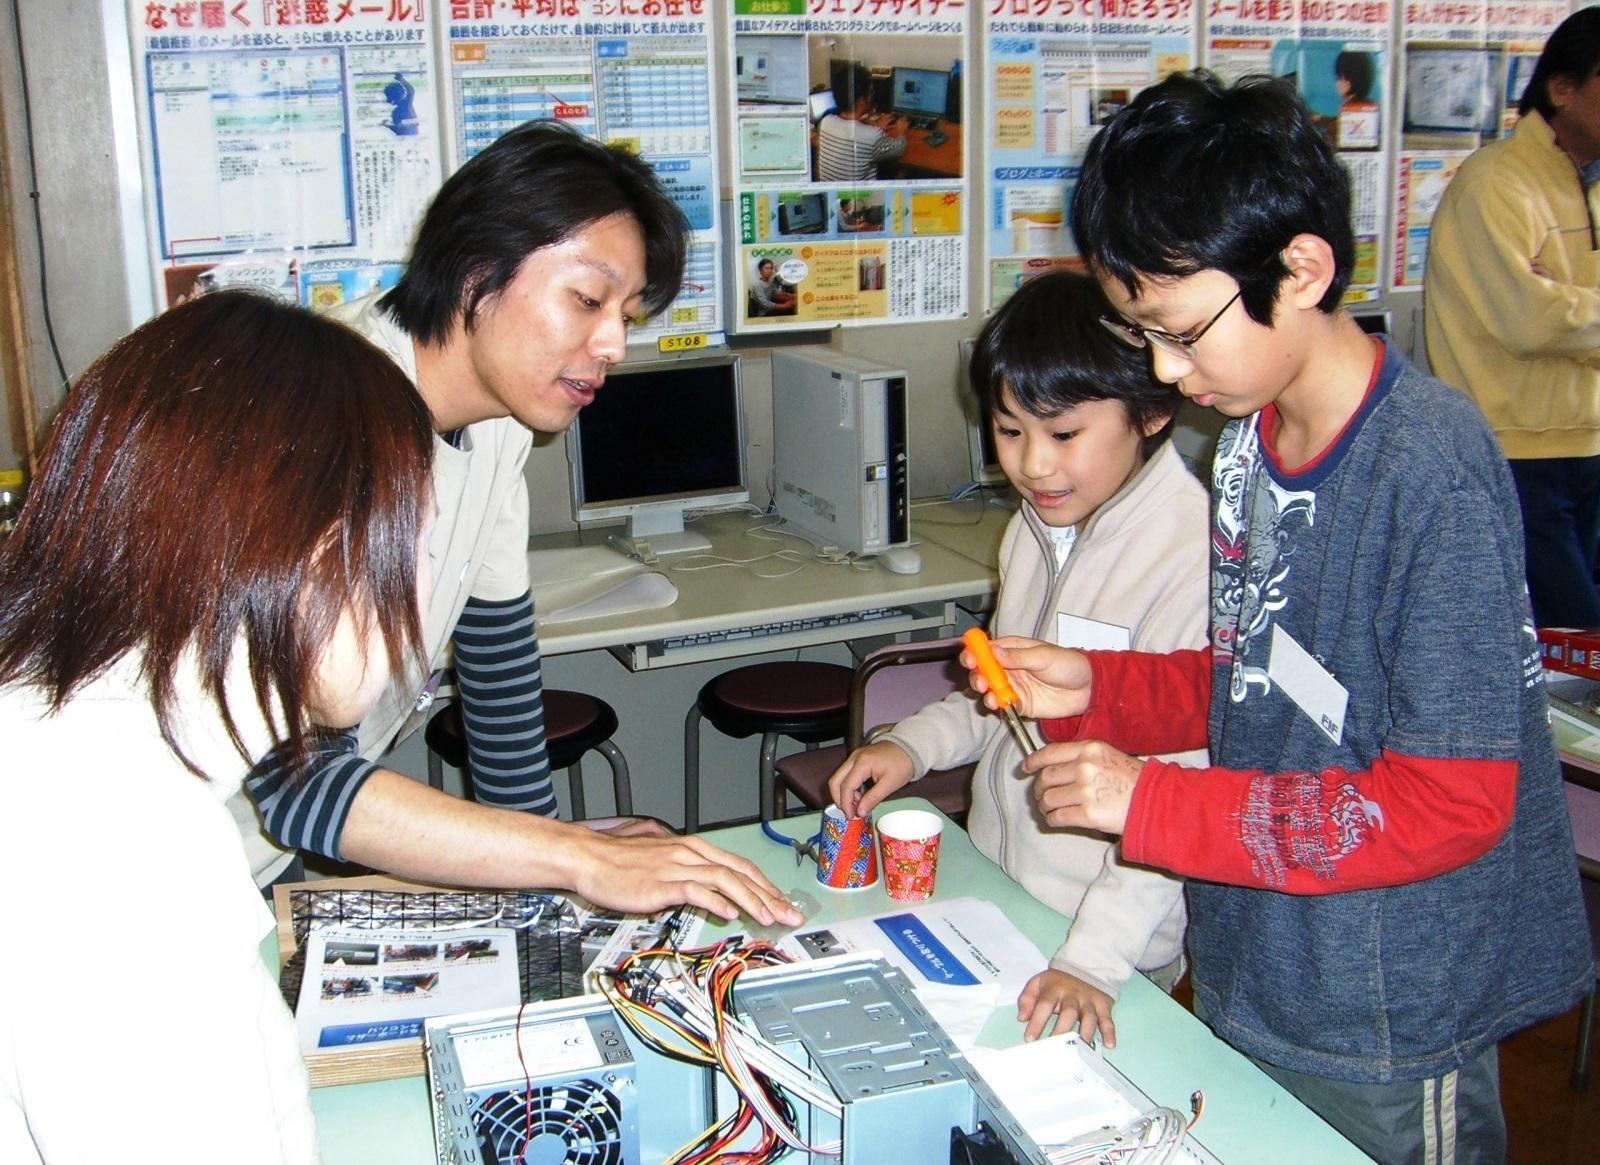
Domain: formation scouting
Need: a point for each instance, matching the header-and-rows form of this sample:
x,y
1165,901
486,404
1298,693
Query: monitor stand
x,y
661,533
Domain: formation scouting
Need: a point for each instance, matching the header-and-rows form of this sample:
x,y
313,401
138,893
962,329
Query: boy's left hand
x,y
1084,784
1055,997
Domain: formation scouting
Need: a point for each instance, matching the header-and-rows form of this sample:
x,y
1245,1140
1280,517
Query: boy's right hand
x,y
1056,999
1050,682
885,765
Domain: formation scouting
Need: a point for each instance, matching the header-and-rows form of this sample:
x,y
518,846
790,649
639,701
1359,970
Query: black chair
x,y
803,700
889,684
574,723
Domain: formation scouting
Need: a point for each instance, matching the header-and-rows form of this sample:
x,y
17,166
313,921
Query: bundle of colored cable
x,y
1151,1138
689,994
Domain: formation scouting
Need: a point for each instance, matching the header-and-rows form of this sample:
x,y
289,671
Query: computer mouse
x,y
901,559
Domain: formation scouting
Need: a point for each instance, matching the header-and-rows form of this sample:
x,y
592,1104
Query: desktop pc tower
x,y
839,455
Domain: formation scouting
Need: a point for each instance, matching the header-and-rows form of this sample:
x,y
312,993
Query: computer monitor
x,y
981,456
1451,91
1374,323
919,92
660,438
822,103
802,214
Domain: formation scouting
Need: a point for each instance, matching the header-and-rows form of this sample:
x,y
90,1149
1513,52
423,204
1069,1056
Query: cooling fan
x,y
576,1122
559,1089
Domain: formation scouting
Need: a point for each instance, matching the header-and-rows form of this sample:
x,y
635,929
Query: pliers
x,y
802,849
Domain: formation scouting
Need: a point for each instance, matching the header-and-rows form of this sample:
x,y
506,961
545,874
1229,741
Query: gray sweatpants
x,y
1454,1119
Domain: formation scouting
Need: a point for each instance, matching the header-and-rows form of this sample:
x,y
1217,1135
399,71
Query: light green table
x,y
1160,1046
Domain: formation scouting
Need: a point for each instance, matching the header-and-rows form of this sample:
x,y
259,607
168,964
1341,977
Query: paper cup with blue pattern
x,y
847,853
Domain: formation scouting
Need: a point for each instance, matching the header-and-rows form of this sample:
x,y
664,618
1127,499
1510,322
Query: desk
x,y
920,159
718,600
972,527
1574,744
1160,1046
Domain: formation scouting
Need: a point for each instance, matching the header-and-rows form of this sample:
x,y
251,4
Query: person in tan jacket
x,y
1512,295
1109,549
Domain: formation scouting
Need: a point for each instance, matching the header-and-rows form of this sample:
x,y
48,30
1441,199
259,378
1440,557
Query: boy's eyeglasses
x,y
1182,346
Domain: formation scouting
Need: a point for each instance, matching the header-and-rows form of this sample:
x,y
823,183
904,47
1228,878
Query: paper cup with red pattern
x,y
909,839
847,852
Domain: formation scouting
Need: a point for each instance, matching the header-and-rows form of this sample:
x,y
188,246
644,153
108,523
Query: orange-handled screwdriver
x,y
999,683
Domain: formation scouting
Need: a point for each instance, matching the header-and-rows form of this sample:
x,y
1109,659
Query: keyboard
x,y
788,627
782,635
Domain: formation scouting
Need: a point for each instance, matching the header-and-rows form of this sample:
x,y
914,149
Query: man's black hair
x,y
1573,52
535,186
1356,70
1047,350
1194,175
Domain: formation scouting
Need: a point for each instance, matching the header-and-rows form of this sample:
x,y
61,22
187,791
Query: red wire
x,y
527,1088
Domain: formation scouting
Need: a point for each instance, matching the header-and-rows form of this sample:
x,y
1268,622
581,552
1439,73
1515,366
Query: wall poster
x,y
1464,66
1337,55
1055,71
289,147
850,177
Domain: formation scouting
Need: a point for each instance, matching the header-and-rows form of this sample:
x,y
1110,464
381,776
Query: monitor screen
x,y
1374,323
919,92
802,214
771,69
1451,91
822,104
660,438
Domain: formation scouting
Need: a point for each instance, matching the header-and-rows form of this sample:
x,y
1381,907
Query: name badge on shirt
x,y
1091,635
1307,683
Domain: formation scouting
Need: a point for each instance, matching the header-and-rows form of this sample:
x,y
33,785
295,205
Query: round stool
x,y
574,723
802,700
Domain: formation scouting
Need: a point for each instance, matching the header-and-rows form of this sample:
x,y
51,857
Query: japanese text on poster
x,y
287,146
850,173
1337,57
1055,73
1463,69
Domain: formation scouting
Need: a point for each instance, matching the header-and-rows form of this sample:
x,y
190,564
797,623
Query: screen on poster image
x,y
663,436
919,93
770,70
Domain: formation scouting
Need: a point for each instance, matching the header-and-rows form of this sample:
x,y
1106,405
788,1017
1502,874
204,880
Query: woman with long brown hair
x,y
218,556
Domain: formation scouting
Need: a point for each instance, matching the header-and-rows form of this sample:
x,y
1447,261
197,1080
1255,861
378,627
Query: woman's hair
x,y
533,187
1047,349
234,471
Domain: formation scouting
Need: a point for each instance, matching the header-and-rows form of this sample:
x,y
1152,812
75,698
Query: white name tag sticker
x,y
1082,634
1307,683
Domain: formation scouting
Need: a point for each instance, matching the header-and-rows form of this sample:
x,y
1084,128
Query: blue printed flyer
x,y
963,957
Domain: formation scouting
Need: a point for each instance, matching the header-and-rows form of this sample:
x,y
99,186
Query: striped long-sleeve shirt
x,y
501,687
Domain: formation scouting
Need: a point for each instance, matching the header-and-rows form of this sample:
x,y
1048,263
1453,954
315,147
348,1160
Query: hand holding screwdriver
x,y
1043,681
1004,696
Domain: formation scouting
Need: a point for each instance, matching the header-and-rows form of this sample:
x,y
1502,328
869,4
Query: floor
x,y
1547,1122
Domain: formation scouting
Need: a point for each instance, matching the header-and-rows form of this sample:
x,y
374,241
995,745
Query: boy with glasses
x,y
1382,881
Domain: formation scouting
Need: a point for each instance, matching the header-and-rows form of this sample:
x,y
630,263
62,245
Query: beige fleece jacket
x,y
1141,563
